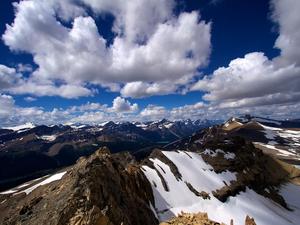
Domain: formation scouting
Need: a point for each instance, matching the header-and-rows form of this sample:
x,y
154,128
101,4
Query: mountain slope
x,y
278,138
211,172
31,151
103,189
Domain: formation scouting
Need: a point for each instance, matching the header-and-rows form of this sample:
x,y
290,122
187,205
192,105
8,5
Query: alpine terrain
x,y
217,175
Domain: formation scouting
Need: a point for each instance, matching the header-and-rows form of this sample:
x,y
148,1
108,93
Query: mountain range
x,y
31,151
242,171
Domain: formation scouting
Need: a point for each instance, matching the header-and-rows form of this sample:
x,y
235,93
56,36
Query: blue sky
x,y
147,60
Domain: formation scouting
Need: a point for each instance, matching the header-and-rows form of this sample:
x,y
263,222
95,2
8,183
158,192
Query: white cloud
x,y
8,77
7,103
21,68
286,14
153,112
128,15
140,89
158,50
11,114
30,99
123,105
49,89
156,55
89,113
90,118
252,76
13,82
255,80
95,113
90,106
203,111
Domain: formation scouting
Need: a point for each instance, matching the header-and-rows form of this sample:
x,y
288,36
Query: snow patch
x,y
279,151
267,121
50,179
227,155
48,137
168,126
199,174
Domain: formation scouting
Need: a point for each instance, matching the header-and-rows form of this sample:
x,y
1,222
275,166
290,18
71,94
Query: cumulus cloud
x,y
30,99
140,89
153,112
203,111
49,89
7,104
123,105
95,113
89,113
128,14
23,68
161,49
8,77
256,80
90,118
12,81
286,15
11,114
252,76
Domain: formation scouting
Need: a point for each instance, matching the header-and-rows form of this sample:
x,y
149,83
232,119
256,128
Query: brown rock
x,y
191,219
249,221
103,189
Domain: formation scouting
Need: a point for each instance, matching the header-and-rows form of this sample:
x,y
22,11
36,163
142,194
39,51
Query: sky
x,y
88,61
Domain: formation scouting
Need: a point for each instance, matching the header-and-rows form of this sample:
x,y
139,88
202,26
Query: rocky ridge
x,y
115,189
102,189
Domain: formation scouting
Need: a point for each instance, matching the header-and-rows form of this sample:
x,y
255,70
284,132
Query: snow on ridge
x,y
201,176
78,126
50,179
227,155
291,136
168,126
280,152
18,189
267,121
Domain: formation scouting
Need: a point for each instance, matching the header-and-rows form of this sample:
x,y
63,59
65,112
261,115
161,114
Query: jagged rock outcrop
x,y
250,221
104,189
199,219
191,219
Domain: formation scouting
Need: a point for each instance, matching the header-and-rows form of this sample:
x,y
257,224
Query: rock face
x,y
191,219
199,219
102,189
249,221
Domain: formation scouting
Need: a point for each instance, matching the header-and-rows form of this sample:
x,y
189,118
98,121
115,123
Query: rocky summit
x,y
101,189
212,175
199,219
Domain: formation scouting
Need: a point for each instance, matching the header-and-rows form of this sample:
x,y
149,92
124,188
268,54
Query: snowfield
x,y
48,137
201,176
280,152
290,137
21,189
